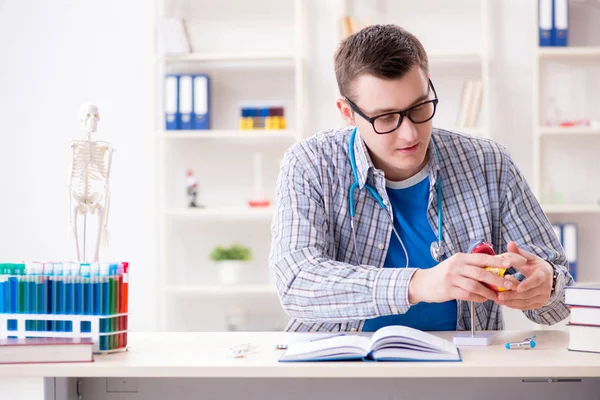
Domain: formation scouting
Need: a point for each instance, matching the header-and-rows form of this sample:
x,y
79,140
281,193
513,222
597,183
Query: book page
x,y
334,346
404,335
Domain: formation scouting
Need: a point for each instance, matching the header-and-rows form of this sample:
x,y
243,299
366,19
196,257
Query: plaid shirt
x,y
484,196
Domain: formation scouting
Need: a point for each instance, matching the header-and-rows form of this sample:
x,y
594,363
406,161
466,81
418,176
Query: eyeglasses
x,y
389,122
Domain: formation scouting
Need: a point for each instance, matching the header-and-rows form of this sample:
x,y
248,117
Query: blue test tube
x,y
47,293
3,289
12,282
57,295
78,289
69,303
87,295
13,293
29,295
87,292
38,272
66,294
96,289
105,308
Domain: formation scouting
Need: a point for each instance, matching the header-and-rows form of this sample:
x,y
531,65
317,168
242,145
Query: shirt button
x,y
394,310
385,203
353,330
380,246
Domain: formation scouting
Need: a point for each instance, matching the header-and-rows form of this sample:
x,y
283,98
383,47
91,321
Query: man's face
x,y
402,152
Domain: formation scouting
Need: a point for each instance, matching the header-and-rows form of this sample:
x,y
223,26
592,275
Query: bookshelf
x,y
247,66
463,55
566,131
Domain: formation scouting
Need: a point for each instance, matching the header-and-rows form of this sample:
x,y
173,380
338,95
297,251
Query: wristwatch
x,y
557,279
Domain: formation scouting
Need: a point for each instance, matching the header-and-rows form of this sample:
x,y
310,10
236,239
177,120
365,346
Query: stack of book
x,y
584,325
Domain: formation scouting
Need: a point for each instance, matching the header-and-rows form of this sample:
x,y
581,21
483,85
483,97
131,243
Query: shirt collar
x,y
364,163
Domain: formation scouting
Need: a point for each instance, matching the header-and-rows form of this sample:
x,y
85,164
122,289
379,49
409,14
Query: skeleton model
x,y
89,193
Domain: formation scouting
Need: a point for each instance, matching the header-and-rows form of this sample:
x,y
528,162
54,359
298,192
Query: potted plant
x,y
230,261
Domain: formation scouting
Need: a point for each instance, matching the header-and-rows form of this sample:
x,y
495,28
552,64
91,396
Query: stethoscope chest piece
x,y
436,251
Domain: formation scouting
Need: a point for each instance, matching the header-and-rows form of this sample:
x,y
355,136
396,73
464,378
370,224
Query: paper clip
x,y
528,343
240,350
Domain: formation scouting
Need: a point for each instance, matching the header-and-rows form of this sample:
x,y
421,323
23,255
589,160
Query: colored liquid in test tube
x,y
114,291
86,285
87,294
47,289
120,319
57,296
65,298
29,295
12,294
38,272
77,289
22,288
3,289
105,308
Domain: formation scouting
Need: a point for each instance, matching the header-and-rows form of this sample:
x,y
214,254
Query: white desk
x,y
199,365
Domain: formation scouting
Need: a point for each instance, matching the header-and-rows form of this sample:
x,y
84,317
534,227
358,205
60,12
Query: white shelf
x,y
568,131
228,134
571,208
221,290
568,52
227,57
222,213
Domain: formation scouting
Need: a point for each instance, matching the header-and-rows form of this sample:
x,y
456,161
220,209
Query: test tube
x,y
96,293
87,292
29,294
77,289
87,295
47,300
38,271
65,301
57,293
119,319
3,289
22,288
114,286
12,293
105,303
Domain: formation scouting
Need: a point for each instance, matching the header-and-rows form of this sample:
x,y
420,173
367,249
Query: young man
x,y
403,180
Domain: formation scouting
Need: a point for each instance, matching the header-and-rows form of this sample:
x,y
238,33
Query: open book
x,y
390,343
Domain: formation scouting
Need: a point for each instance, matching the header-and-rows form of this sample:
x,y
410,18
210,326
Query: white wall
x,y
57,55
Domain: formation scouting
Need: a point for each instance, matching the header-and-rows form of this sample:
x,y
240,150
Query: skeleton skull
x,y
89,117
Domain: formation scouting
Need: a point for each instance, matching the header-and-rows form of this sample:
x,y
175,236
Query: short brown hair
x,y
384,51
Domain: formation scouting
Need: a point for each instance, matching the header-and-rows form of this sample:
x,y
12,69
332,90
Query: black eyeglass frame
x,y
404,113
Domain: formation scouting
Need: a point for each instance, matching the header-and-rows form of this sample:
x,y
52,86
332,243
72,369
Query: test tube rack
x,y
66,300
96,327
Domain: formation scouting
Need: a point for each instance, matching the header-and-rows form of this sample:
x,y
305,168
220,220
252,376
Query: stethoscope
x,y
435,248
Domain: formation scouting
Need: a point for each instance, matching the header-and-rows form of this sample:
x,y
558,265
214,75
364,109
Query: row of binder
x,y
553,22
187,101
567,234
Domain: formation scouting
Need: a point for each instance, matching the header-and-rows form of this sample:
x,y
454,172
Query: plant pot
x,y
230,271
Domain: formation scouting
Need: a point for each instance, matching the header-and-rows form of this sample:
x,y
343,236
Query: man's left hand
x,y
533,292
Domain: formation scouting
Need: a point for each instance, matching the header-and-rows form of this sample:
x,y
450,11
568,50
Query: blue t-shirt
x,y
409,201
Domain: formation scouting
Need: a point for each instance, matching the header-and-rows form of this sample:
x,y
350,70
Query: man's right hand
x,y
460,277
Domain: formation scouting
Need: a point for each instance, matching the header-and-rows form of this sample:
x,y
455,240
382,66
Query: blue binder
x,y
185,101
201,102
171,102
545,20
561,22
